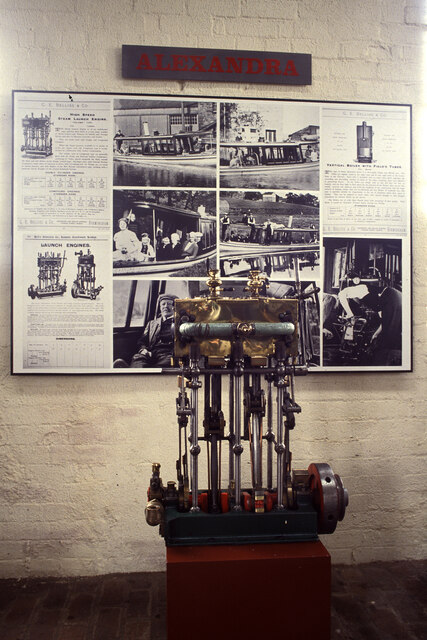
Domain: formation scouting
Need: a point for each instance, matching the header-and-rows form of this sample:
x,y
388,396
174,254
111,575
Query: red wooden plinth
x,y
249,591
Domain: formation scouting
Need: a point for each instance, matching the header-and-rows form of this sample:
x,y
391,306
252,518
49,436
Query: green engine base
x,y
240,527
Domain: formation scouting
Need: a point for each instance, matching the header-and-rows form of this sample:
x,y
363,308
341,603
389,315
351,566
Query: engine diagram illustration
x,y
49,278
84,284
37,139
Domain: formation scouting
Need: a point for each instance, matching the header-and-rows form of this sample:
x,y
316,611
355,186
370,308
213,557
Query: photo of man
x,y
362,303
155,344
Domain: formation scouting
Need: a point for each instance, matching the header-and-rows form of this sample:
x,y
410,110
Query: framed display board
x,y
123,202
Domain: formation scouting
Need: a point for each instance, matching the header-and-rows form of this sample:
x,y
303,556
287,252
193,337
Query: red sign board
x,y
213,65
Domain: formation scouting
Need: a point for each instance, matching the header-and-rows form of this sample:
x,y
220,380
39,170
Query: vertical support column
x,y
216,415
280,447
290,408
195,447
270,434
237,447
231,432
256,433
183,412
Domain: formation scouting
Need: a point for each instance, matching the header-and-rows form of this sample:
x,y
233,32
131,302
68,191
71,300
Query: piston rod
x,y
237,349
195,447
256,437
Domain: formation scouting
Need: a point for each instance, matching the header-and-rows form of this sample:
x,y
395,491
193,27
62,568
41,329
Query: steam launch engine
x,y
84,284
37,140
49,276
238,358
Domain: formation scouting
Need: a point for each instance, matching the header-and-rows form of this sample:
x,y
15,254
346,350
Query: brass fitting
x,y
154,512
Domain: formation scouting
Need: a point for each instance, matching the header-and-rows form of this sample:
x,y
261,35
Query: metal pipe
x,y
269,435
292,387
219,466
237,448
231,431
237,350
256,443
287,452
195,448
296,370
280,447
214,475
216,408
256,436
229,329
208,462
280,383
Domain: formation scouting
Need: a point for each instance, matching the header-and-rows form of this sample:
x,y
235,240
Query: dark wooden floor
x,y
377,601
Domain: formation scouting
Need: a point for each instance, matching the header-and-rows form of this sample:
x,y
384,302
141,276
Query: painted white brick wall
x,y
76,452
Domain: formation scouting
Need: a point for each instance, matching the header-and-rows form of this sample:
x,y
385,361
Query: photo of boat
x,y
234,249
168,267
267,223
260,165
278,266
164,143
190,149
266,146
166,237
267,156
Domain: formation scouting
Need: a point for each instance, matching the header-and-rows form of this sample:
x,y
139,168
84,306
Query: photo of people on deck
x,y
165,232
164,143
362,302
269,145
269,231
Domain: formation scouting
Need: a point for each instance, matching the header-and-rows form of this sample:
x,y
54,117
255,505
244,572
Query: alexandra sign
x,y
178,63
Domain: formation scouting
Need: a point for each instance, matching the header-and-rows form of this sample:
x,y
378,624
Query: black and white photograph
x,y
307,293
164,143
270,231
143,317
167,232
281,266
266,145
362,302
